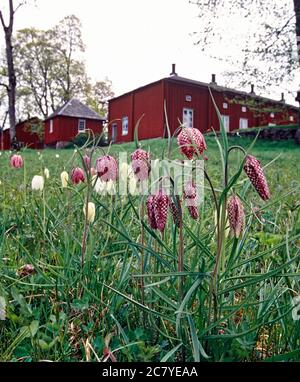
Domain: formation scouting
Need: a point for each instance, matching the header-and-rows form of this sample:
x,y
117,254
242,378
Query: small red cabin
x,y
29,134
69,120
190,102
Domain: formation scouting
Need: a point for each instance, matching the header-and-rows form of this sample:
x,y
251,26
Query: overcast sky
x,y
132,42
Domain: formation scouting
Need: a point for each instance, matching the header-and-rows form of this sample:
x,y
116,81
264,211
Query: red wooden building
x,y
29,134
69,120
190,102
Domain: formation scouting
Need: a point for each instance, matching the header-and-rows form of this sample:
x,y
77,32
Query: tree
x,y
11,86
97,96
51,70
265,46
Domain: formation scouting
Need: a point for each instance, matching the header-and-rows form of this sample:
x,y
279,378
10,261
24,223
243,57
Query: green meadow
x,y
127,300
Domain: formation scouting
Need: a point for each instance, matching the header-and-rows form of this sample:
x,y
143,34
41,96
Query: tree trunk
x,y
11,88
297,14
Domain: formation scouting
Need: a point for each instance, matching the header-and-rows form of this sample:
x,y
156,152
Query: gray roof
x,y
75,108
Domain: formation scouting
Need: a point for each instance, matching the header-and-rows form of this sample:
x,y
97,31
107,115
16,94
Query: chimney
x,y
213,79
252,89
282,98
173,70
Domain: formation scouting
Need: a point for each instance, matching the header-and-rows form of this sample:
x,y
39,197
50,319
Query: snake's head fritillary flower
x,y
64,177
161,206
37,183
150,212
140,164
46,173
191,142
91,211
236,216
175,213
77,175
107,168
16,161
26,270
191,199
257,177
157,209
87,161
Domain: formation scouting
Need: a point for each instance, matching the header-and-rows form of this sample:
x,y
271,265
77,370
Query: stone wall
x,y
273,133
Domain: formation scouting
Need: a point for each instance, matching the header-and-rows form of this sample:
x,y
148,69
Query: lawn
x,y
69,310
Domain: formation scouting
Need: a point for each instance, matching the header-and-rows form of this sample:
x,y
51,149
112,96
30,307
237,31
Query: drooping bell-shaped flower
x,y
64,177
191,199
46,173
91,211
77,175
87,161
107,168
140,164
37,183
257,177
175,213
157,208
161,206
236,216
191,142
150,212
16,161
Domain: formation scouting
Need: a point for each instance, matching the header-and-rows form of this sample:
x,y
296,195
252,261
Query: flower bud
x,y
236,216
16,161
256,175
46,173
64,177
91,211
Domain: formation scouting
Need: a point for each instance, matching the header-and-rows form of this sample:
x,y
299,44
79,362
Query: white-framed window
x,y
272,115
225,119
188,117
81,125
291,118
51,126
124,125
188,98
244,109
225,105
243,123
114,129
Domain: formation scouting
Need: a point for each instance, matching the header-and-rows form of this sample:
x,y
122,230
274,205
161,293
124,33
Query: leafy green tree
x,y
97,96
51,70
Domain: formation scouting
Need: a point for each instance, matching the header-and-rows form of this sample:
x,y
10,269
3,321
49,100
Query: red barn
x,y
190,102
29,134
69,120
